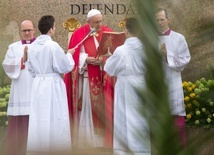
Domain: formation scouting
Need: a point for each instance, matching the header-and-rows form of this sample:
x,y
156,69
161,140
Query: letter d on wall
x,y
121,8
75,9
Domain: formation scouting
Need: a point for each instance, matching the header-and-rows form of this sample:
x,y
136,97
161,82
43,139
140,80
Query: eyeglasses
x,y
161,20
27,30
97,22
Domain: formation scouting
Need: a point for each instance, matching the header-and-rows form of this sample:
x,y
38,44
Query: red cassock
x,y
100,84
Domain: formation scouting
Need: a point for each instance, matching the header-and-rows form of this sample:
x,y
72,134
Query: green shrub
x,y
199,102
4,97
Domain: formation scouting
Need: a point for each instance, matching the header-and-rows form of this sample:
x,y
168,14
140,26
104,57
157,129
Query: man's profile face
x,y
162,21
96,22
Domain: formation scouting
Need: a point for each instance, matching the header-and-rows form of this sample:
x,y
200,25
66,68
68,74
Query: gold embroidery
x,y
104,79
108,42
74,74
96,92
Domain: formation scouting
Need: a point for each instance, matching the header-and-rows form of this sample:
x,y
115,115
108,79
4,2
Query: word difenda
x,y
117,9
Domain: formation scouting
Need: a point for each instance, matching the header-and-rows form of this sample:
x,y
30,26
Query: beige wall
x,y
15,11
186,16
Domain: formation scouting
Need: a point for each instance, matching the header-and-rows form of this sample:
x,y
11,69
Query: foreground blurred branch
x,y
155,96
164,140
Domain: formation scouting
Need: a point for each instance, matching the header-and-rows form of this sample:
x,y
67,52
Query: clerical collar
x,y
166,33
28,41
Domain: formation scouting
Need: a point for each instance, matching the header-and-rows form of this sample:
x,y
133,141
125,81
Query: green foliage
x,y
199,102
4,97
2,75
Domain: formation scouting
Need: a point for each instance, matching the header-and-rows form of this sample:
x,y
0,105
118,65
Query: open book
x,y
110,41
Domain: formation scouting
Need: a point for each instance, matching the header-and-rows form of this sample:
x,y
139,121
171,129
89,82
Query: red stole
x,y
95,85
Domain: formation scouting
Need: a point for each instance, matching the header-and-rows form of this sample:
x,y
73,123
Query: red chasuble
x,y
101,87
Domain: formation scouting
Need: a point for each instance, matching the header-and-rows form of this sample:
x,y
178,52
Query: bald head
x,y
27,30
27,22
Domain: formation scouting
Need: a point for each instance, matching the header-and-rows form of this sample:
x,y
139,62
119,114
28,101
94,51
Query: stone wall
x,y
192,18
186,17
13,12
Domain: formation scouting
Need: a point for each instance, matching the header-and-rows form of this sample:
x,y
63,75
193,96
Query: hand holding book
x,y
109,42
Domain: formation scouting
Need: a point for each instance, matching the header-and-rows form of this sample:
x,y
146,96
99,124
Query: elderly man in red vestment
x,y
89,89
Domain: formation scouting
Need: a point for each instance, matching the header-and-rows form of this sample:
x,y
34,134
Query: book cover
x,y
110,41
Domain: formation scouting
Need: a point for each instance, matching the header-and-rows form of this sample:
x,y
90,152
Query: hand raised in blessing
x,y
25,54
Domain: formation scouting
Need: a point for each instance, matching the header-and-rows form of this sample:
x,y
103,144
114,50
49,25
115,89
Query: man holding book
x,y
86,85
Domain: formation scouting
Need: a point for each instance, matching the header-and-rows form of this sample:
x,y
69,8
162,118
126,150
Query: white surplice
x,y
49,127
130,127
178,56
19,101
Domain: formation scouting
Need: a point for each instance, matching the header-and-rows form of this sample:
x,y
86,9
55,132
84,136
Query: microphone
x,y
92,31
